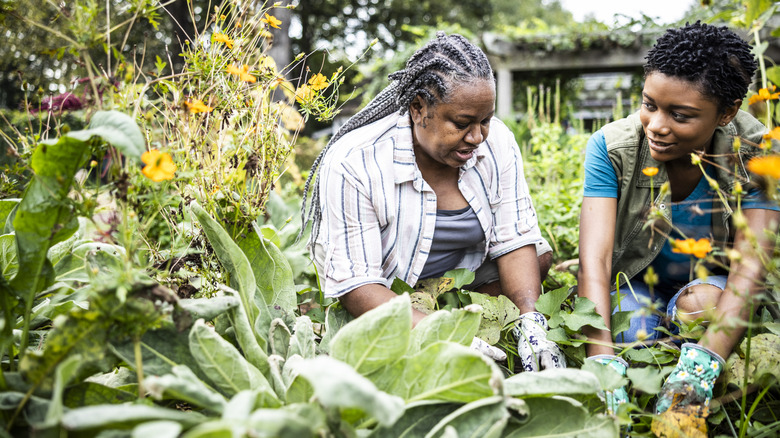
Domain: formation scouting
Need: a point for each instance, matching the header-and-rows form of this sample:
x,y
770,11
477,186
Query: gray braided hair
x,y
431,72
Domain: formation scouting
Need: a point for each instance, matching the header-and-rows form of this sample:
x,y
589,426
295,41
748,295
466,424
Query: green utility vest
x,y
638,242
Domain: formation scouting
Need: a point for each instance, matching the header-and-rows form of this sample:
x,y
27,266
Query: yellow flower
x,y
768,165
224,39
159,165
698,248
763,95
318,82
773,134
242,73
304,93
271,21
197,106
650,171
267,64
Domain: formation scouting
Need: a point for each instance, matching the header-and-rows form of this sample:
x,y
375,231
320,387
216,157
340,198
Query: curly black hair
x,y
714,58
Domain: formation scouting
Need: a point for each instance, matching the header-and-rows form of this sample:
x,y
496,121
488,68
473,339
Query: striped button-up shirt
x,y
379,214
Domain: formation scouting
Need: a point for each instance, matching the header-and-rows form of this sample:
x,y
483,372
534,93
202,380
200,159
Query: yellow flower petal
x,y
224,39
318,82
650,171
271,21
197,106
768,165
159,165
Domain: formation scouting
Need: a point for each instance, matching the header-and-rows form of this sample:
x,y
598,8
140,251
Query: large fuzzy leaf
x,y
497,313
457,325
377,338
272,273
418,419
116,128
561,417
105,416
764,365
183,384
442,371
485,418
338,385
556,381
223,363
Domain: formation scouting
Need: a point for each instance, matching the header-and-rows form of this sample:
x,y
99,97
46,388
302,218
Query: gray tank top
x,y
456,231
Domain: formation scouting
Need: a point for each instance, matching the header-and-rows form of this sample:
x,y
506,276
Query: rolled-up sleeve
x,y
350,237
514,218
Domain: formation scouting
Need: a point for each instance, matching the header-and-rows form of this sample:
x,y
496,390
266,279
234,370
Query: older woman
x,y
425,180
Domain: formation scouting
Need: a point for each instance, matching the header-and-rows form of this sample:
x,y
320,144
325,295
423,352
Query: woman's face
x,y
448,133
677,118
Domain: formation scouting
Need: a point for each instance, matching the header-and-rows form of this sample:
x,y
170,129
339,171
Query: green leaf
x,y
337,385
647,379
74,266
184,385
299,420
63,374
336,317
91,394
208,308
161,350
772,73
458,325
272,273
7,207
9,263
460,277
297,388
497,313
584,314
571,420
377,338
608,378
549,303
442,371
418,419
279,338
117,129
557,381
764,365
302,342
399,287
224,365
125,415
485,418
157,429
242,279
621,321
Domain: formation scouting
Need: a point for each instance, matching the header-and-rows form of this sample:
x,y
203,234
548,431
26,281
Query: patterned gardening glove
x,y
618,396
535,351
488,350
692,380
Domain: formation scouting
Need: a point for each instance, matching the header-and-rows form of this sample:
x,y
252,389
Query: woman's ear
x,y
418,109
730,113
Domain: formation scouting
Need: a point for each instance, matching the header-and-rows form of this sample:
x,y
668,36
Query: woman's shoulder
x,y
623,132
371,138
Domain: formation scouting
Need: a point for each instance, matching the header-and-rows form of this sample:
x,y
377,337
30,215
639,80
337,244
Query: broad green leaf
x,y
338,385
442,371
621,321
279,337
377,338
336,317
272,273
399,287
485,418
606,376
9,263
34,410
584,314
223,363
242,279
418,419
64,372
764,365
302,342
497,313
460,277
91,394
58,251
6,207
557,381
126,415
184,385
772,73
649,355
74,266
44,216
296,420
458,325
647,379
117,129
549,303
298,389
212,429
157,429
240,406
561,417
208,308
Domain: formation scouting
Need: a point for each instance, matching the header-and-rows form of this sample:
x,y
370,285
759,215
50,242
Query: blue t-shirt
x,y
691,216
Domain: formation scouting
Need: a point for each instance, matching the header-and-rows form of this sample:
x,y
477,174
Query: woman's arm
x,y
746,275
597,235
518,272
370,296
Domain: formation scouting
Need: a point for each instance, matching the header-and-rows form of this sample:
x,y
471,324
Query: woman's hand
x,y
535,351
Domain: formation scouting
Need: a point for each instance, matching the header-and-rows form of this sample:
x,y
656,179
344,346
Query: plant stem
x,y
139,365
746,417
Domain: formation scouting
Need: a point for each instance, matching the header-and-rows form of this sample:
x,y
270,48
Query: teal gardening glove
x,y
692,380
617,396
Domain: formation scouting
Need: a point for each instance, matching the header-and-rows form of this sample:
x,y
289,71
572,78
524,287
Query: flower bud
x,y
695,159
737,144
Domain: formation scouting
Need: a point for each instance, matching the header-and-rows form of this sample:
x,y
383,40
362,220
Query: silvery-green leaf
x,y
485,418
572,420
302,342
208,308
64,372
418,419
184,385
157,429
457,325
647,379
298,389
497,313
338,385
551,382
279,337
104,416
607,377
377,338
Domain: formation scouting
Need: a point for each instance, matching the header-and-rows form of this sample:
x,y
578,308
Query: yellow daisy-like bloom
x,y
271,21
768,165
224,39
774,134
159,165
242,73
682,374
304,93
318,82
715,366
699,369
650,171
691,353
197,106
698,248
763,95
705,385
